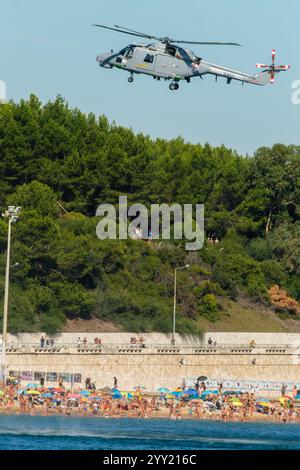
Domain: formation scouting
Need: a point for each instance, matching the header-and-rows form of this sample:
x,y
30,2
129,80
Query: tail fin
x,y
263,78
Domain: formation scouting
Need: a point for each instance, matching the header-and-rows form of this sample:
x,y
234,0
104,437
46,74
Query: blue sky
x,y
49,48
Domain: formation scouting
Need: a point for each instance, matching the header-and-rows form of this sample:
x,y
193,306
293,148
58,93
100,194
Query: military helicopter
x,y
166,60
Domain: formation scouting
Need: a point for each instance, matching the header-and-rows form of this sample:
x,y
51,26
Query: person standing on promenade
x,y
42,341
295,391
115,382
283,390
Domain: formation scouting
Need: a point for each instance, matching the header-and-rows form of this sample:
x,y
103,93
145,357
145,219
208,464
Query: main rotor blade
x,y
121,31
145,35
208,43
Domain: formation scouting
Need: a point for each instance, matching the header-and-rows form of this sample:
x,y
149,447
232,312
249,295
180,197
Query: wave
x,y
171,438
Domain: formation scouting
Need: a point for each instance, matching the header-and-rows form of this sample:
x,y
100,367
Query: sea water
x,y
77,433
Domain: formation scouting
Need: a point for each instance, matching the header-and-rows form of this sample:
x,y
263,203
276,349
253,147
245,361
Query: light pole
x,y
174,308
13,215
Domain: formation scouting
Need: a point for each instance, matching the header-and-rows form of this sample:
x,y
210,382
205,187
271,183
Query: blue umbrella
x,y
163,390
191,392
176,394
116,396
232,392
32,385
210,392
46,395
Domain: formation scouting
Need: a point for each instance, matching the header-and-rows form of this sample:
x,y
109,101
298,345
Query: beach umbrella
x,y
163,390
285,399
232,392
85,392
126,395
264,404
170,396
32,392
237,403
202,378
74,395
262,399
176,394
191,392
209,392
46,395
32,385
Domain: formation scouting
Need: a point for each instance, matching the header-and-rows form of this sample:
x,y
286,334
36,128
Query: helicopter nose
x,y
102,59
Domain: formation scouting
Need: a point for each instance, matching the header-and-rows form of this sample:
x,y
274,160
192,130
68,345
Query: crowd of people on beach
x,y
182,403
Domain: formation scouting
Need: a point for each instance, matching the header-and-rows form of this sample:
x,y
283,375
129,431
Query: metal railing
x,y
150,348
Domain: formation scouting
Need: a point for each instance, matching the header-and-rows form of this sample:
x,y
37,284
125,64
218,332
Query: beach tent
x,y
106,389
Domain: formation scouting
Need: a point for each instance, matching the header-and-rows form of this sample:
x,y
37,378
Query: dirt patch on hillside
x,y
90,326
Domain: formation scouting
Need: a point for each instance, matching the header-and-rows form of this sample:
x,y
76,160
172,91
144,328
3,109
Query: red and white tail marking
x,y
273,69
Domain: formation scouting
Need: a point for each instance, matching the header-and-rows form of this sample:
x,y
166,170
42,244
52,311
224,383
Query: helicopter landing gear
x,y
130,79
173,86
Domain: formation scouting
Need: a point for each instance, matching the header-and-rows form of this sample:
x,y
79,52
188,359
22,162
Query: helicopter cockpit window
x,y
123,51
171,50
149,58
129,53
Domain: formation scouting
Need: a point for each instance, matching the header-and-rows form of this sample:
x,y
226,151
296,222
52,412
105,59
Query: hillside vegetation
x,y
51,153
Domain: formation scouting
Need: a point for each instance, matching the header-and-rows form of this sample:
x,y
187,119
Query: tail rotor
x,y
273,68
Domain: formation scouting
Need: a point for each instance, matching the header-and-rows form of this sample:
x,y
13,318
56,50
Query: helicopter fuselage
x,y
158,60
171,62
